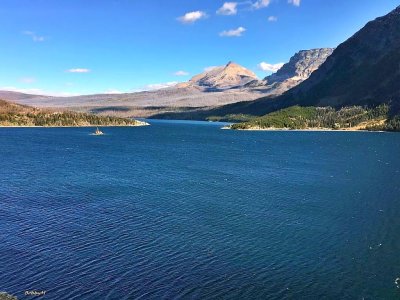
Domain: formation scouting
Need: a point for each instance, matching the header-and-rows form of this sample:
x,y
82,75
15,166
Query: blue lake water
x,y
181,210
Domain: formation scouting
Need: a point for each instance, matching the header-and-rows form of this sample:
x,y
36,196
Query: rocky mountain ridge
x,y
299,68
301,65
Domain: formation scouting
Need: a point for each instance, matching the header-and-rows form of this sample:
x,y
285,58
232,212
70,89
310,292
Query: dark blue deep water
x,y
188,211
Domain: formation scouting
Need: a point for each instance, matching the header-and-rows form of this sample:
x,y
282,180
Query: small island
x,y
324,118
15,115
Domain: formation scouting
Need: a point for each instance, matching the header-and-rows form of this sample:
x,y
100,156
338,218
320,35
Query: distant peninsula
x,y
15,115
324,118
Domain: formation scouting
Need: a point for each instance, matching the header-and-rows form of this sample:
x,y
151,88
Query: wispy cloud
x,y
78,70
181,73
270,67
191,17
210,68
228,9
34,36
295,2
113,91
158,86
272,19
27,80
262,3
233,32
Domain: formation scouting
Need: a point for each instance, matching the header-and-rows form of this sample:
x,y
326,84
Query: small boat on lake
x,y
98,132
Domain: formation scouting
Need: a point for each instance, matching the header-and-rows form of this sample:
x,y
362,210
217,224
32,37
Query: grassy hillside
x,y
20,115
296,117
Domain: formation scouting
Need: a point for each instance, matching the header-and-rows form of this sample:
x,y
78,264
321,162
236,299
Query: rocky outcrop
x,y
298,69
5,296
300,66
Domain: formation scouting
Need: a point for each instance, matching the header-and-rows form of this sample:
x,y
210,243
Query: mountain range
x,y
362,71
215,87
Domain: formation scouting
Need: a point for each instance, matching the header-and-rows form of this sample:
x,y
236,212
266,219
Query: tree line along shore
x,y
21,115
301,118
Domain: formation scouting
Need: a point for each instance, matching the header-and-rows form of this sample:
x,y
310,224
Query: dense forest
x,y
20,115
354,117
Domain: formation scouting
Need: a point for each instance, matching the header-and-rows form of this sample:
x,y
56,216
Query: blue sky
x,y
67,47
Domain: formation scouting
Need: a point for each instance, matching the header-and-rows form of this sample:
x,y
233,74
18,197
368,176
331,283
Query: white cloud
x,y
208,69
272,19
192,17
181,73
270,67
262,3
294,2
228,9
27,80
158,86
233,32
113,91
34,36
78,70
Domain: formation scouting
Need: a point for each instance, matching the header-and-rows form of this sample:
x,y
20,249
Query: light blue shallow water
x,y
188,211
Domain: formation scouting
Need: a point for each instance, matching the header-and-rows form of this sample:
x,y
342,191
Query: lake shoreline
x,y
78,126
306,129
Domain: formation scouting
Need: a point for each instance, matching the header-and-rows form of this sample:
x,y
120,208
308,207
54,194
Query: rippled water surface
x,y
184,210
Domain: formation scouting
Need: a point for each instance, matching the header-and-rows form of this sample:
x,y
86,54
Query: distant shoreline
x,y
306,129
78,126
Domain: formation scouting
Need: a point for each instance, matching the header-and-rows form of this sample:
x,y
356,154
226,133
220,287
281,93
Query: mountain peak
x,y
224,77
231,64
